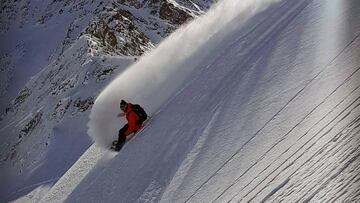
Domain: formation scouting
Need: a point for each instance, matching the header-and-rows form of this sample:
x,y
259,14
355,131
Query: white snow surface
x,y
255,101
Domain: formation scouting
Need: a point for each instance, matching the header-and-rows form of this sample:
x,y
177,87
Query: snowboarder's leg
x,y
132,129
120,143
122,138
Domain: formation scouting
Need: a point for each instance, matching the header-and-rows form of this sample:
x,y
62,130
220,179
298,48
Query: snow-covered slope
x,y
269,114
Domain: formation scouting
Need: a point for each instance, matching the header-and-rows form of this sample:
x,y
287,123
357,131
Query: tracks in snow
x,y
332,125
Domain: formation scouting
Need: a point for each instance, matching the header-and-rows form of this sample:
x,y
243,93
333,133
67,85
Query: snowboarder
x,y
135,116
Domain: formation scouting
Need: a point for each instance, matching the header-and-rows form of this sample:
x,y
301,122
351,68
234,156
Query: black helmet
x,y
123,104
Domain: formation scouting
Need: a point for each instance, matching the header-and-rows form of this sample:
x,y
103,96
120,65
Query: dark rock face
x,y
31,125
84,105
173,14
132,27
117,33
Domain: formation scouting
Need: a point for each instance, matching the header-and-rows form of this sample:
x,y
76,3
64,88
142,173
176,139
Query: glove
x,y
121,114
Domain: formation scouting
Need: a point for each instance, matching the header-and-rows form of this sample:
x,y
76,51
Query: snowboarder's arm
x,y
121,114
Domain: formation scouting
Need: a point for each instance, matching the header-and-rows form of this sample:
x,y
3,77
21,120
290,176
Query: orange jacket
x,y
132,118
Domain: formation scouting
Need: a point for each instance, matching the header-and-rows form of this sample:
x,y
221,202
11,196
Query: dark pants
x,y
122,137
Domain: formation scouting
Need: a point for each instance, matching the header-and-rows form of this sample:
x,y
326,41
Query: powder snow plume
x,y
159,74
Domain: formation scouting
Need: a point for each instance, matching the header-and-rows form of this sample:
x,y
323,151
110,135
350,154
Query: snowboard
x,y
113,145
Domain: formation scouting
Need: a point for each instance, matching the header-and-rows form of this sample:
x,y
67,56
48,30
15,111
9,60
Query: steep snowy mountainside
x,y
41,30
56,56
271,115
120,27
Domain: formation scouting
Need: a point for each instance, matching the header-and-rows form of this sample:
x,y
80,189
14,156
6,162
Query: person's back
x,y
140,112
